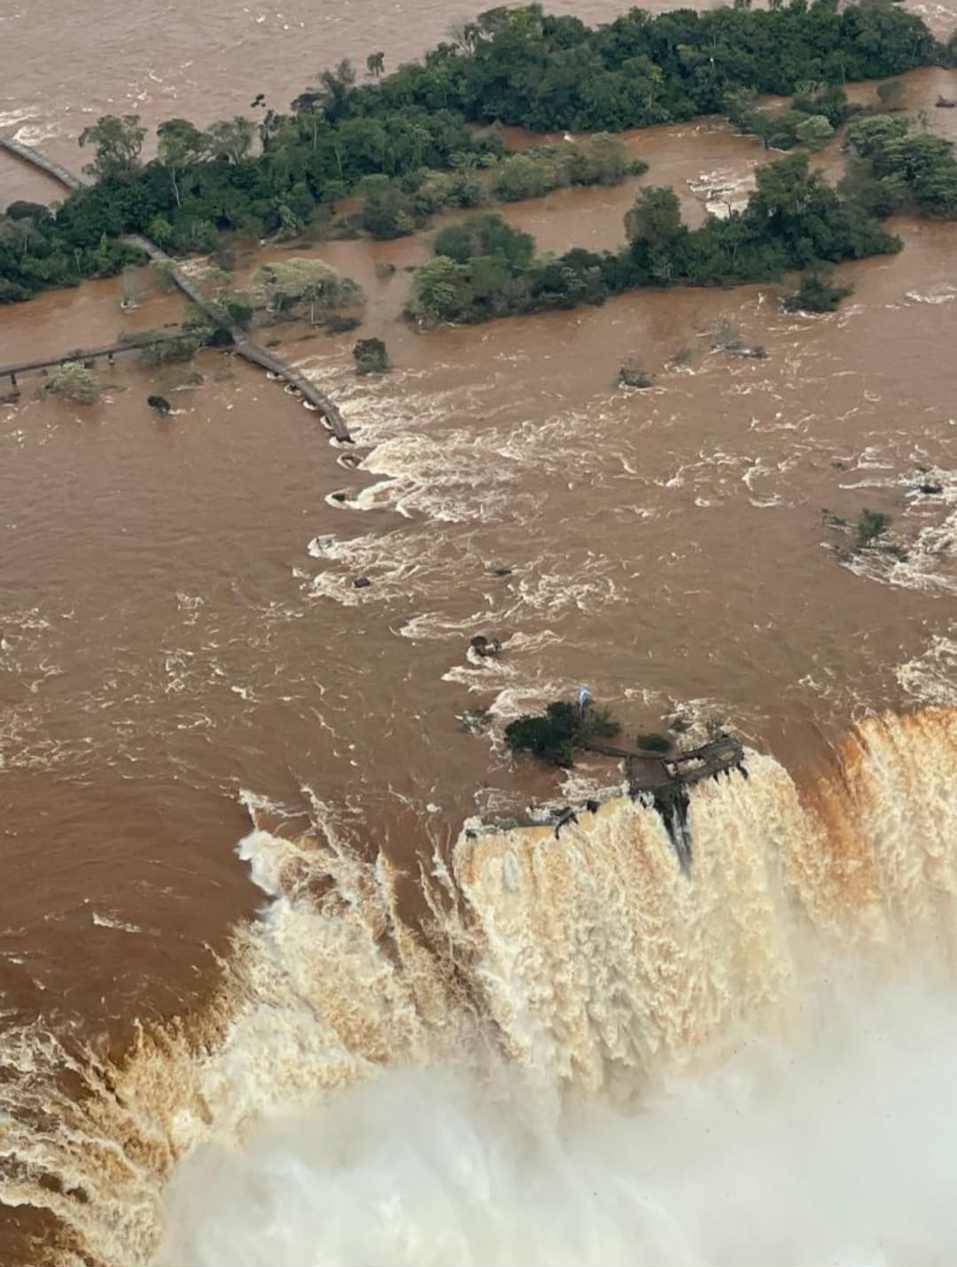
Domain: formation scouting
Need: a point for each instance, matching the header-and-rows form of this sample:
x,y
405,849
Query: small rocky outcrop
x,y
486,647
160,405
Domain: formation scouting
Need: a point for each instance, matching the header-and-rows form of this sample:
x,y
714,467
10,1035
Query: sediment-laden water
x,y
410,1026
575,1024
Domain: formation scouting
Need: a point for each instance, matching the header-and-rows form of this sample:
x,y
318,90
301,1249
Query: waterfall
x,y
581,1043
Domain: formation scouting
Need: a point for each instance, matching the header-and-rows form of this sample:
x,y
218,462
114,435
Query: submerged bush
x,y
633,374
73,381
816,294
171,351
370,356
288,285
871,524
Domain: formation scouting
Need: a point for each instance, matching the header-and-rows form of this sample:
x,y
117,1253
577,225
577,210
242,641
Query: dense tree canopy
x,y
557,734
118,141
810,119
412,129
484,268
901,167
525,67
288,285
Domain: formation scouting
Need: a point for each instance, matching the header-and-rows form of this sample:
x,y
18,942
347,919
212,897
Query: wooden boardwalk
x,y
244,346
34,157
86,356
652,771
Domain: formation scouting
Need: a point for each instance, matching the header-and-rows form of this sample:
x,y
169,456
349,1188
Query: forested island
x,y
421,139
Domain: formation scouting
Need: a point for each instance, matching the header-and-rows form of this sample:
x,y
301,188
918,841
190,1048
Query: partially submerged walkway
x,y
244,346
34,157
86,356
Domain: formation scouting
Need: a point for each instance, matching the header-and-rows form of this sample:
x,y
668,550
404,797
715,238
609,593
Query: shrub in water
x,y
73,381
816,294
563,728
370,356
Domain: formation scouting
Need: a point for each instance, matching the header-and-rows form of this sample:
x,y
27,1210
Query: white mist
x,y
836,1150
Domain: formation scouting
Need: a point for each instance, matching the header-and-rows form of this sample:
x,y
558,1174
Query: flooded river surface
x,y
184,652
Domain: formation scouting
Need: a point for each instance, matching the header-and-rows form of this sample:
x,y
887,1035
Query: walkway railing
x,y
244,346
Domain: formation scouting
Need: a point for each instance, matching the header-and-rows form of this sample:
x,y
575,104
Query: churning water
x,y
504,1049
581,1057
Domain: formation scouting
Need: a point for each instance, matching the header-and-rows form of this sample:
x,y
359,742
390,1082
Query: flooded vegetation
x,y
219,625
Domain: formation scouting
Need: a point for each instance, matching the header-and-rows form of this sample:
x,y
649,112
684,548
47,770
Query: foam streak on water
x,y
363,1093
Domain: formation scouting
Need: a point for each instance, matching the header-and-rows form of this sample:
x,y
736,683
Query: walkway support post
x,y
248,350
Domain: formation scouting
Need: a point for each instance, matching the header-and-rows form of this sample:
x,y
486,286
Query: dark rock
x,y
566,816
499,569
485,646
337,324
362,582
931,488
592,807
160,404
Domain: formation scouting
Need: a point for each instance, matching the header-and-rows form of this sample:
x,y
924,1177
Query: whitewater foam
x,y
586,972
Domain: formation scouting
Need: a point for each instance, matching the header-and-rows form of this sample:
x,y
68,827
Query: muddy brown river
x,y
183,648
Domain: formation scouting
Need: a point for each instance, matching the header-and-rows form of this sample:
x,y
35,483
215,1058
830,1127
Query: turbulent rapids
x,y
508,1081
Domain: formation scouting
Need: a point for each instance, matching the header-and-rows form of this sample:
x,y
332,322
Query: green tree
x,y
522,176
741,106
230,139
602,160
655,218
385,212
906,166
181,146
118,142
286,284
485,235
816,294
171,351
877,136
74,382
331,92
19,235
441,291
564,728
371,357
814,132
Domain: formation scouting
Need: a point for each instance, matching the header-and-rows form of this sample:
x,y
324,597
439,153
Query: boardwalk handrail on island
x,y
244,346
